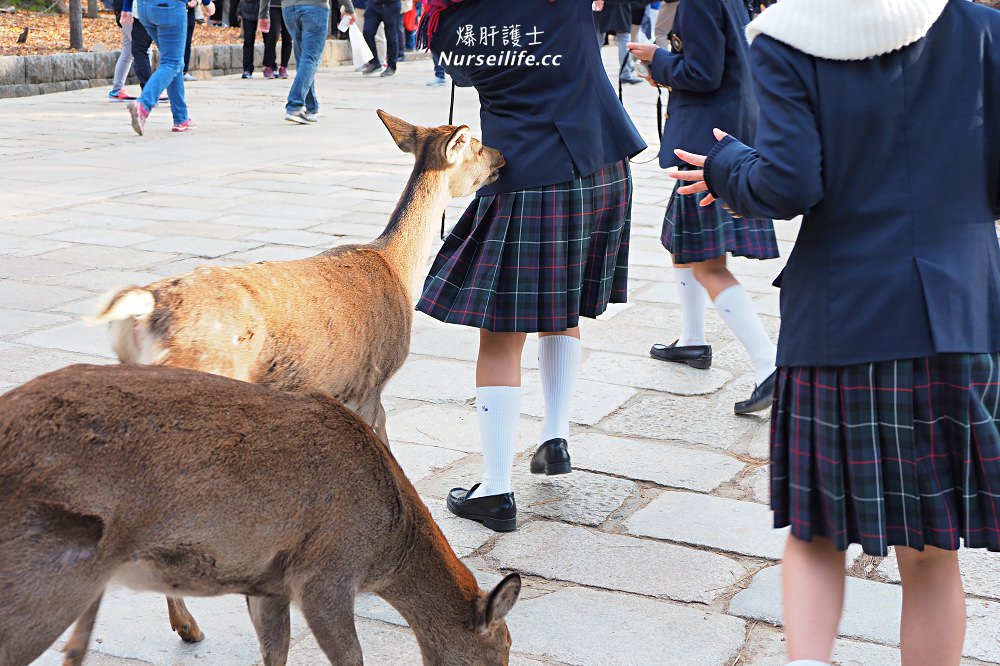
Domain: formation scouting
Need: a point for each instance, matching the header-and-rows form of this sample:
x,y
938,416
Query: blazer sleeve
x,y
698,67
783,176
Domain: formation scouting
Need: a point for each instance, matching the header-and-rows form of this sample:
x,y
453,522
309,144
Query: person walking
x,y
386,13
547,242
885,429
707,72
308,23
614,17
166,23
124,64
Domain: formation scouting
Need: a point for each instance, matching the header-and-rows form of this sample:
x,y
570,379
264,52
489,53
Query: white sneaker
x,y
437,81
310,117
298,116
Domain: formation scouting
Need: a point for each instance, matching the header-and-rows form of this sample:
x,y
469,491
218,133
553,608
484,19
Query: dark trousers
x,y
388,14
190,36
271,40
141,41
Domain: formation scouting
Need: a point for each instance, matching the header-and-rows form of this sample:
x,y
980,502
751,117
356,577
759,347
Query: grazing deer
x,y
337,322
184,482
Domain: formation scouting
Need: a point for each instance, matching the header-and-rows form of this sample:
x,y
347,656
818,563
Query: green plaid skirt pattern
x,y
536,260
893,453
694,233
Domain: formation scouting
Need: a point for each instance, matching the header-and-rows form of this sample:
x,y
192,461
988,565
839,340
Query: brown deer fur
x,y
184,482
337,322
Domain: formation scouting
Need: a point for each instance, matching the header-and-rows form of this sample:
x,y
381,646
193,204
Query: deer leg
x,y
329,613
183,622
76,646
273,625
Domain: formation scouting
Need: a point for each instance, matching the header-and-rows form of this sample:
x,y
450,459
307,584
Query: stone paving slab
x,y
74,337
34,297
616,562
696,420
18,321
980,571
659,463
420,461
19,363
435,381
610,629
648,373
714,522
580,497
592,401
450,427
871,612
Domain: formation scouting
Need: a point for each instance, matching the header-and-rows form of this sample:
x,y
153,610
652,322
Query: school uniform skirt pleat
x,y
893,453
536,260
694,233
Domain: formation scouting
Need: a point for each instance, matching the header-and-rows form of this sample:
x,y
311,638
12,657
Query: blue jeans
x,y
386,12
438,67
166,23
307,26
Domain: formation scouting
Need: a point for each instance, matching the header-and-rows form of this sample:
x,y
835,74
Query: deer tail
x,y
120,304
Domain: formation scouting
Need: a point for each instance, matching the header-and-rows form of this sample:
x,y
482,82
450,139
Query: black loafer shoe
x,y
370,68
761,398
697,356
552,457
497,512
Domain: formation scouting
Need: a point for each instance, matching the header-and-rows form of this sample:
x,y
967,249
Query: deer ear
x,y
501,600
402,132
459,141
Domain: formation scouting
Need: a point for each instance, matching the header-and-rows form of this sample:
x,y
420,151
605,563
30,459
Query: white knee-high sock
x,y
737,310
559,363
499,408
692,297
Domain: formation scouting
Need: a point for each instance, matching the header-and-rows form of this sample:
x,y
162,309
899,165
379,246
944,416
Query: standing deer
x,y
177,481
338,322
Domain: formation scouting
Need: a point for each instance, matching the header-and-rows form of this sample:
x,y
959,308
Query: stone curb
x,y
24,76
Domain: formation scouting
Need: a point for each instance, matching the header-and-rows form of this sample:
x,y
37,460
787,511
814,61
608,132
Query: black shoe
x,y
761,398
552,457
389,71
697,356
370,67
497,512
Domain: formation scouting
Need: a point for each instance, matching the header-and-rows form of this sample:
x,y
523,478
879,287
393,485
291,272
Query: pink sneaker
x,y
269,73
184,126
282,72
139,115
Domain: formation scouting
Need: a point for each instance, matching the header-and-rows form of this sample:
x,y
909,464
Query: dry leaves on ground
x,y
49,33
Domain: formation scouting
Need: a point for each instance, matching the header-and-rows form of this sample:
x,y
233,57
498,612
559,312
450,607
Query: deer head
x,y
450,149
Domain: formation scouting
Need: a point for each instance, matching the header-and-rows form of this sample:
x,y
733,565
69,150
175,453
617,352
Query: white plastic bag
x,y
360,53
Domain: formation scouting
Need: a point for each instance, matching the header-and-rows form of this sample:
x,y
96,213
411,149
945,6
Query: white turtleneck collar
x,y
847,29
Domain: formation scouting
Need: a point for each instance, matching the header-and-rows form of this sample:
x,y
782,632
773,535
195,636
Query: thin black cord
x,y
659,108
451,121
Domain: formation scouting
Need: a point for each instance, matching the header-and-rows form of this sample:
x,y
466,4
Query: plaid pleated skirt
x,y
893,453
694,233
536,260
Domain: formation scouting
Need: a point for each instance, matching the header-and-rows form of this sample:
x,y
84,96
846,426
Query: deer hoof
x,y
189,636
72,657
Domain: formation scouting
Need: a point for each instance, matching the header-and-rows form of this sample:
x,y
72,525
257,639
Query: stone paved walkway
x,y
658,550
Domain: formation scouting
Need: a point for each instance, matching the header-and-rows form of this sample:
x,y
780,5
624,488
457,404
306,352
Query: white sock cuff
x,y
558,344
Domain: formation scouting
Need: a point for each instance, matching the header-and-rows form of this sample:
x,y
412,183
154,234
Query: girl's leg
x,y
559,365
691,295
933,622
124,63
813,590
498,403
736,309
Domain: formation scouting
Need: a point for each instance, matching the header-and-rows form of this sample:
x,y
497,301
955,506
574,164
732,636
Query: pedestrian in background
x,y
707,72
308,23
389,14
166,23
886,424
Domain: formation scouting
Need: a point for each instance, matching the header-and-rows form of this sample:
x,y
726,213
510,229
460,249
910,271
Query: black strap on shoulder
x,y
451,121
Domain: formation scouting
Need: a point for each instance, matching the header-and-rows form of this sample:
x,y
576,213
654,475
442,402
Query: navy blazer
x,y
708,73
895,162
546,102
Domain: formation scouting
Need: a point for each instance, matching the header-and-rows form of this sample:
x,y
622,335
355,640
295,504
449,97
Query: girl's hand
x,y
643,52
264,25
696,177
598,5
208,9
126,18
192,3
